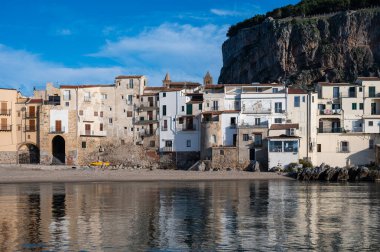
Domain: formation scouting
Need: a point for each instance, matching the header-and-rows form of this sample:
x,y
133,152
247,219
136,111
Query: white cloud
x,y
64,32
21,69
185,51
220,12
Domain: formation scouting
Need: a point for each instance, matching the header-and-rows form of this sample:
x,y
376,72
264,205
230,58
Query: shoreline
x,y
50,174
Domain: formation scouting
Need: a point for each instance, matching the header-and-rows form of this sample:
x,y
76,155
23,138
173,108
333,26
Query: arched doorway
x,y
28,154
58,144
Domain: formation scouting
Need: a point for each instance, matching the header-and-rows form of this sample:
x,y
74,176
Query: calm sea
x,y
190,216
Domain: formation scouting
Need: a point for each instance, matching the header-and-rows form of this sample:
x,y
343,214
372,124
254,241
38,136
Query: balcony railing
x,y
147,133
355,129
184,127
54,130
251,110
5,127
30,128
87,99
252,126
164,128
93,133
343,149
167,149
148,106
29,115
330,112
6,112
331,130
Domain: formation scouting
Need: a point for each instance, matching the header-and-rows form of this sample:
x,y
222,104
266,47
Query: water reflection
x,y
189,216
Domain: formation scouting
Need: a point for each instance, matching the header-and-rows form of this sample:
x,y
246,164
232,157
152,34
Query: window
x,y
164,94
319,148
165,126
233,121
103,96
221,152
180,120
129,113
257,121
344,146
291,146
81,112
278,120
275,90
110,120
188,143
336,92
296,101
66,95
130,83
361,106
370,123
84,145
303,99
87,96
101,113
152,143
110,108
122,142
67,104
245,137
200,106
371,91
95,113
275,146
258,140
101,127
354,106
312,99
214,139
183,108
129,99
164,110
215,105
122,97
168,143
371,143
278,107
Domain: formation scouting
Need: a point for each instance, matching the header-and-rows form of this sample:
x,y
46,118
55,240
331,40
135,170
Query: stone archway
x,y
58,150
28,153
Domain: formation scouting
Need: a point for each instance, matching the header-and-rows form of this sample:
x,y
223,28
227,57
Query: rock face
x,y
337,47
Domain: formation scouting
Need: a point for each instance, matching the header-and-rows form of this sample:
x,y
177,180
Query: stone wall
x,y
224,157
186,159
8,157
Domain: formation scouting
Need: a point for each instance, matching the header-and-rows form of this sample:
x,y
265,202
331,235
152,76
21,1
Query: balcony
x,y
147,133
92,133
253,126
164,128
331,130
5,128
330,112
145,106
29,115
54,130
167,149
184,127
87,99
5,112
30,128
355,130
145,122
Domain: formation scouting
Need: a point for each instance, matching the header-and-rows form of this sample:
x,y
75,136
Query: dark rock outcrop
x,y
337,47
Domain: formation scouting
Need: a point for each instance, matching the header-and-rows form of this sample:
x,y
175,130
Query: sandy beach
x,y
31,174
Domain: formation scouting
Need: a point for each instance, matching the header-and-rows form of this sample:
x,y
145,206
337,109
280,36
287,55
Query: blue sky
x,y
83,41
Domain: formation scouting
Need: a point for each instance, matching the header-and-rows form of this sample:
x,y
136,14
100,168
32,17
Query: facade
x,y
234,125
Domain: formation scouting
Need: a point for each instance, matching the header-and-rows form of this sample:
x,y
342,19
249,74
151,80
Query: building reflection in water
x,y
234,215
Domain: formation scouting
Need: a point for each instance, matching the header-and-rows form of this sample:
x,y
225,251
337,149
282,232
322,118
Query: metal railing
x,y
5,127
330,112
29,115
87,99
54,130
6,112
30,128
145,105
167,149
184,127
251,110
249,126
331,130
164,128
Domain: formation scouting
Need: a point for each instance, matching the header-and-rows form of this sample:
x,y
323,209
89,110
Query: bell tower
x,y
207,80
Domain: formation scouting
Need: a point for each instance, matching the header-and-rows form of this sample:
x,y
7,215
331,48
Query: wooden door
x,y
32,111
58,126
32,125
4,108
150,115
150,100
88,129
3,125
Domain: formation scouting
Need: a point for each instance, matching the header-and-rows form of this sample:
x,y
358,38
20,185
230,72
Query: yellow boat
x,y
100,163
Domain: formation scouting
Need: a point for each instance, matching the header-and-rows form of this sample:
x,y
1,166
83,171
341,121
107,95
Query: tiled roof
x,y
283,137
35,101
86,86
334,84
284,126
296,91
129,77
231,111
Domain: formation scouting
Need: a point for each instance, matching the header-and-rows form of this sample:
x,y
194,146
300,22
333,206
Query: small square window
x,y
370,123
221,152
67,104
354,106
361,106
95,113
245,137
278,120
188,143
84,145
163,94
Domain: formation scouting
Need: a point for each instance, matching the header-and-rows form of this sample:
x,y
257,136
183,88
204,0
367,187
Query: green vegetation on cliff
x,y
304,8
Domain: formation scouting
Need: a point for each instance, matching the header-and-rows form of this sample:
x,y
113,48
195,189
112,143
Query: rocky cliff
x,y
337,47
